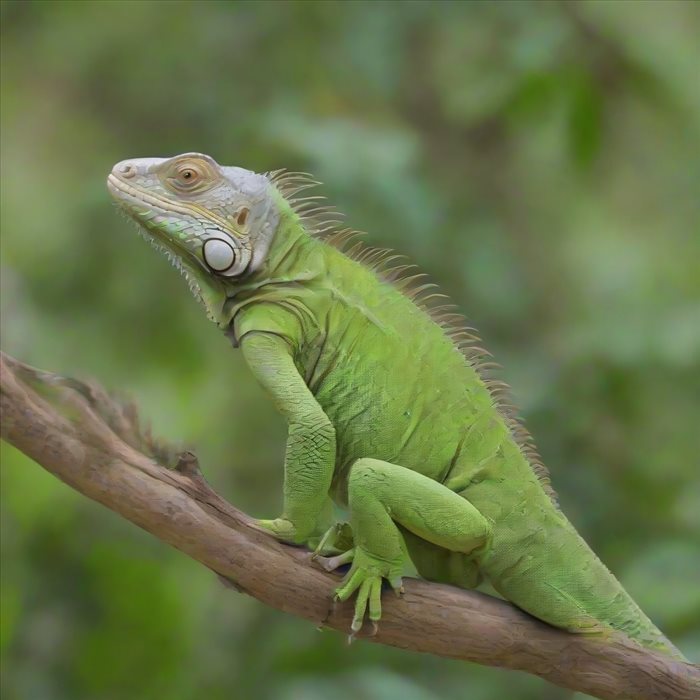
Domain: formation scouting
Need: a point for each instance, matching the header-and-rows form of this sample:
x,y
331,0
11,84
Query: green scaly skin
x,y
386,415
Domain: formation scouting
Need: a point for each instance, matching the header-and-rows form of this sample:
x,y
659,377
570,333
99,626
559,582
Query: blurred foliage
x,y
538,158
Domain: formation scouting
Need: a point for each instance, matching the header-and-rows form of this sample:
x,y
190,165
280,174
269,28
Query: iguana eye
x,y
187,177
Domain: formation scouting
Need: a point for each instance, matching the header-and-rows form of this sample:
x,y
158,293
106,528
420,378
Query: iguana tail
x,y
556,577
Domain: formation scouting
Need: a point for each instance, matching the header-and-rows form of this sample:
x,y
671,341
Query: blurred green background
x,y
539,159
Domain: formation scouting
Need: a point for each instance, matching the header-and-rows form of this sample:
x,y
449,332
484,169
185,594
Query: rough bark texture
x,y
94,444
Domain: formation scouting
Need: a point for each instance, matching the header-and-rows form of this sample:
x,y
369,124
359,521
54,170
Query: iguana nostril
x,y
125,170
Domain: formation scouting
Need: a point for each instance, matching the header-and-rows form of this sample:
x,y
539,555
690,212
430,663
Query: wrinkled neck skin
x,y
285,260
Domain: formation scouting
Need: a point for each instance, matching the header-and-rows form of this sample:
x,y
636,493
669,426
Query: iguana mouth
x,y
123,191
148,211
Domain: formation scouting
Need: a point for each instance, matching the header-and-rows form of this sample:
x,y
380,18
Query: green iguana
x,y
389,410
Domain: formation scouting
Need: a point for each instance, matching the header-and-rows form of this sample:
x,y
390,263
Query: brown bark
x,y
87,440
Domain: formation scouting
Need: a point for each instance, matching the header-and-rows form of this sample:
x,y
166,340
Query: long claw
x,y
397,586
365,580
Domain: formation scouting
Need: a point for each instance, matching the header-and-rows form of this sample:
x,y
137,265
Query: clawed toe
x,y
356,627
364,580
333,563
398,588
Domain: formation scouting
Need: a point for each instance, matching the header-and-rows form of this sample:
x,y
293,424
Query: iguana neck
x,y
294,256
288,250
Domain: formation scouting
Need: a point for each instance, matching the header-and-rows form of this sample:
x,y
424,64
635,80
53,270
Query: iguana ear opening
x,y
242,216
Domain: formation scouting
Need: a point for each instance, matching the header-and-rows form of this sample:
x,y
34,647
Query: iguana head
x,y
215,223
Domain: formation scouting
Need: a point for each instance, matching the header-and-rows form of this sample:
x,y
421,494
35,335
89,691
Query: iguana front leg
x,y
310,456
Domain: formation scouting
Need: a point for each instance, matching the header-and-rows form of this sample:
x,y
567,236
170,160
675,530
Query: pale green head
x,y
215,223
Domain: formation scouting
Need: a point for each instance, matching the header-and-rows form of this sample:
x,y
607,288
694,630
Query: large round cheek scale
x,y
218,254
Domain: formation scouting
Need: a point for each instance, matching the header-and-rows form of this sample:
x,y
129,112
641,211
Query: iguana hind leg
x,y
382,495
435,563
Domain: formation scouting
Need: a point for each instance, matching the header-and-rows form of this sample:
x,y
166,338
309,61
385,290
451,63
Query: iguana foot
x,y
285,530
365,578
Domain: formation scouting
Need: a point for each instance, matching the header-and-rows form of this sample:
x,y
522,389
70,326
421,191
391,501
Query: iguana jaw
x,y
151,220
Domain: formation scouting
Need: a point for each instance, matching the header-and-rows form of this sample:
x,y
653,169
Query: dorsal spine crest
x,y
324,222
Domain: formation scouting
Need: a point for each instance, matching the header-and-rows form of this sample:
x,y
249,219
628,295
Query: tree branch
x,y
94,444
